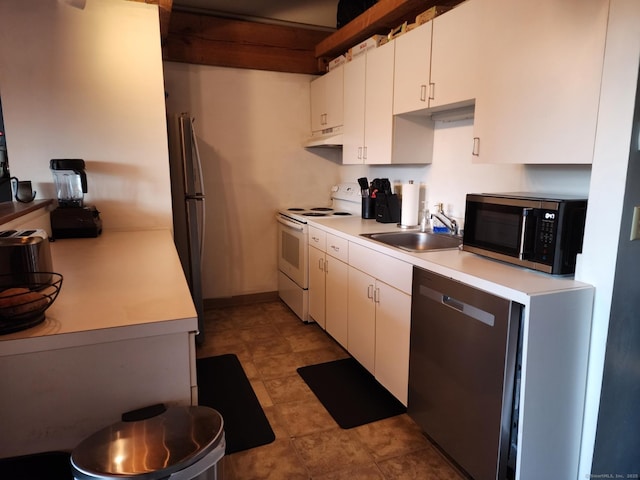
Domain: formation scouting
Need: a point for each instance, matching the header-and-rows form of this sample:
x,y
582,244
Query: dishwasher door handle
x,y
453,303
462,307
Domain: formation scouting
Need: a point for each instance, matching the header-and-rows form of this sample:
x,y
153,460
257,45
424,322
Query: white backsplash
x,y
453,174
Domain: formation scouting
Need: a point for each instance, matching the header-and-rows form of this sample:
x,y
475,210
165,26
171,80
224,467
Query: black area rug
x,y
223,385
351,395
40,466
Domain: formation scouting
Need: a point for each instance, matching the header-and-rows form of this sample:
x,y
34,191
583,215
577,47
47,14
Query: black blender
x,y
72,218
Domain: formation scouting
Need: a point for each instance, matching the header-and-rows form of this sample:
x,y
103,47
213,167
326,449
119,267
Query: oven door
x,y
293,250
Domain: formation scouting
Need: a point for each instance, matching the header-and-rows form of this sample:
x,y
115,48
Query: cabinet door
x,y
336,296
378,130
393,325
317,290
326,100
353,129
411,70
455,56
539,84
362,323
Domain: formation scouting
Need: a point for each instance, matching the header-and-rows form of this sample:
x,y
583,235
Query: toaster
x,y
23,252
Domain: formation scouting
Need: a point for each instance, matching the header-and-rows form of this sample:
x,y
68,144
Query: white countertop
x,y
118,286
508,281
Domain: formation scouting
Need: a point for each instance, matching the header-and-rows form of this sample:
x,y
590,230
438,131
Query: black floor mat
x,y
223,385
351,395
40,466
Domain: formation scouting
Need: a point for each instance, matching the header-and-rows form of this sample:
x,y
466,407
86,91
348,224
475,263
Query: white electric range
x,y
293,243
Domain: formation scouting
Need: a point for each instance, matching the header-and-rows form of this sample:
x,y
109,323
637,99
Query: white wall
x,y
453,173
598,262
250,125
84,80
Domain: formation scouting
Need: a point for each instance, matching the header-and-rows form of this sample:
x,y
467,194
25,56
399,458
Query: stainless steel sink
x,y
415,241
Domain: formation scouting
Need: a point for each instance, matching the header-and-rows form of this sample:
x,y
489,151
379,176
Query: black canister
x,y
368,207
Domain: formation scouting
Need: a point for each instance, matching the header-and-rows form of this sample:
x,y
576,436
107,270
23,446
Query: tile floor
x,y
271,343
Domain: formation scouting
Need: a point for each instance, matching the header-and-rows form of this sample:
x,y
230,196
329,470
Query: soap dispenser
x,y
424,217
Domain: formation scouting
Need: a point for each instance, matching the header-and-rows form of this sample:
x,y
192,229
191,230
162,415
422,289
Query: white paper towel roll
x,y
410,200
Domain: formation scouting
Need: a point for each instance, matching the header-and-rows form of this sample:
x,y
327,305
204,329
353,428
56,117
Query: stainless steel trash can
x,y
181,443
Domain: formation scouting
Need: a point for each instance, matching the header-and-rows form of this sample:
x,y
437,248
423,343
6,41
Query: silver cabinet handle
x,y
432,89
376,295
326,266
370,291
365,153
321,264
423,93
476,147
335,248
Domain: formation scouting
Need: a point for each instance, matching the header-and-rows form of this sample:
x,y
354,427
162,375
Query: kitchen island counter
x,y
130,280
120,336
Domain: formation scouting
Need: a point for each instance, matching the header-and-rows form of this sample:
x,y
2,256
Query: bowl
x,y
24,298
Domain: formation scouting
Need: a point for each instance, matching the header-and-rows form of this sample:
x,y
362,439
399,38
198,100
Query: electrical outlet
x,y
635,224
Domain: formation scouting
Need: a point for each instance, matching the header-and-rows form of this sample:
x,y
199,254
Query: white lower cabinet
x,y
336,306
393,328
328,283
362,318
380,316
317,286
379,328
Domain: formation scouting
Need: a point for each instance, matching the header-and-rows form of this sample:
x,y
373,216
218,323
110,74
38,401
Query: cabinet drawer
x,y
383,267
317,238
338,247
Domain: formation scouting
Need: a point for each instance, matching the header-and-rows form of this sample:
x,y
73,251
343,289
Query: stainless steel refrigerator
x,y
188,201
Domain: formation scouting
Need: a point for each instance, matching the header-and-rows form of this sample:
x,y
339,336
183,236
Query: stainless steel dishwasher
x,y
464,373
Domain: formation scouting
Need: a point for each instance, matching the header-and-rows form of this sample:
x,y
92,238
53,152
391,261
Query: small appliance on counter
x,y
539,231
23,252
28,285
72,218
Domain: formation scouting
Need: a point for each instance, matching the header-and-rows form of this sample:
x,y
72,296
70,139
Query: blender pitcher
x,y
70,180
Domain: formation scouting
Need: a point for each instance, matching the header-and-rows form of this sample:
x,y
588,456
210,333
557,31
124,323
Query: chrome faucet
x,y
450,223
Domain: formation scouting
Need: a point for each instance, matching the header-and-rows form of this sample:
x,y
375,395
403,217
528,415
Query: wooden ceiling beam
x,y
380,19
209,40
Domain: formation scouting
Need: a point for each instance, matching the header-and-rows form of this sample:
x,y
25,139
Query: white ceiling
x,y
310,12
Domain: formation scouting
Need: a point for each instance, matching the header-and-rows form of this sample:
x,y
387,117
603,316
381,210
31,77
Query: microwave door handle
x,y
523,232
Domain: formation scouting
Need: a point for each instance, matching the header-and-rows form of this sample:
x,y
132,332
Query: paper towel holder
x,y
405,205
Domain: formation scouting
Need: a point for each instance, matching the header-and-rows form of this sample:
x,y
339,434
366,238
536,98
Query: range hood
x,y
329,138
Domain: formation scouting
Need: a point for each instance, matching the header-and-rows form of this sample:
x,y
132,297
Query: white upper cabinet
x,y
412,70
539,83
455,56
378,108
353,129
327,100
371,133
368,107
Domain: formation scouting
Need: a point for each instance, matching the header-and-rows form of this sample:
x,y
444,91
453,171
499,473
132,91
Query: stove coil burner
x,y
342,213
321,209
295,209
314,214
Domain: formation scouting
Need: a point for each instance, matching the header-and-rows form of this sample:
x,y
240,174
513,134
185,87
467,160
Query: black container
x,y
387,208
368,207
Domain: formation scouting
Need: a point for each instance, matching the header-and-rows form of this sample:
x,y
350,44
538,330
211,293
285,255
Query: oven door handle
x,y
288,223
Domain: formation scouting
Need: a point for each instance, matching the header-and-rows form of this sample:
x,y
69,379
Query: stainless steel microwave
x,y
538,231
